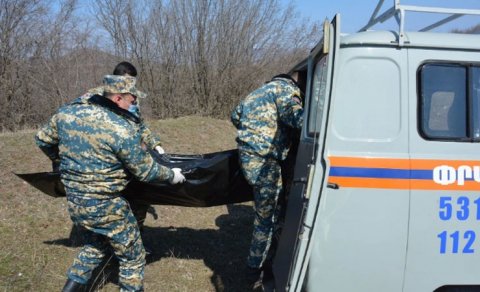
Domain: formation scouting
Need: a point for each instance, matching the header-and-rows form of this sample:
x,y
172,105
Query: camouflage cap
x,y
121,84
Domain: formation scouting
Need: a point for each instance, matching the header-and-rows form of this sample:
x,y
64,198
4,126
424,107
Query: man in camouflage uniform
x,y
149,140
99,150
264,122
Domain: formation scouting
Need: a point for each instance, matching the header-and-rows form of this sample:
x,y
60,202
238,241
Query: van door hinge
x,y
311,171
300,180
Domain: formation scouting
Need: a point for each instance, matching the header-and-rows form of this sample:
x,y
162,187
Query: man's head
x,y
125,68
285,76
294,77
121,90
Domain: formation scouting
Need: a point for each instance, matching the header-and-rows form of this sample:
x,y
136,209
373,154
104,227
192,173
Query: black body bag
x,y
212,179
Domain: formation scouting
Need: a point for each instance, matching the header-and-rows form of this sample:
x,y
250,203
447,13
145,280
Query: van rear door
x,y
289,258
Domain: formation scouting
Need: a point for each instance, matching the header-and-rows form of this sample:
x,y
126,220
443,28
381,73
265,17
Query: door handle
x,y
333,186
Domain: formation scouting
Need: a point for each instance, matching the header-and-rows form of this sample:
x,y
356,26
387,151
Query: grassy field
x,y
194,249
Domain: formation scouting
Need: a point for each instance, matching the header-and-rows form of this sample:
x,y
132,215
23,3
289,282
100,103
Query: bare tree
x,y
201,56
47,57
471,30
194,56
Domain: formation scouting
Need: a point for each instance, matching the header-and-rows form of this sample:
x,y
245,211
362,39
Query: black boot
x,y
72,286
253,277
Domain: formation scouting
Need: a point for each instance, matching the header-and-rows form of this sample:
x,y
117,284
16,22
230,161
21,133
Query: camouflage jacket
x,y
150,139
99,148
265,117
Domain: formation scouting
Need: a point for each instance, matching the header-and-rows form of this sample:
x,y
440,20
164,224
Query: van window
x,y
317,100
449,102
475,90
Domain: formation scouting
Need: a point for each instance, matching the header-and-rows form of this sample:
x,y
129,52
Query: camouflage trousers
x,y
107,223
264,175
139,210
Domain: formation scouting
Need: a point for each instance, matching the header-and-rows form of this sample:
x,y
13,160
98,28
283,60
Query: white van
x,y
386,192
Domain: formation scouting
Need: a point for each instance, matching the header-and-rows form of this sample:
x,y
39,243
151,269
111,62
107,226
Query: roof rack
x,y
398,11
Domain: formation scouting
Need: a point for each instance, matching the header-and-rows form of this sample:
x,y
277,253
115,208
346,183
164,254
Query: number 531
x,y
459,208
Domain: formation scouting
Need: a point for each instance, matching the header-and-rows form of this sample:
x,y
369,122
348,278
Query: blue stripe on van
x,y
381,173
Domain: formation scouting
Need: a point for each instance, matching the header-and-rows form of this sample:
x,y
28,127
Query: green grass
x,y
194,249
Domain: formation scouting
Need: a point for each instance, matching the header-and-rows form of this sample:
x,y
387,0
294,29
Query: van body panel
x,y
443,246
355,252
374,112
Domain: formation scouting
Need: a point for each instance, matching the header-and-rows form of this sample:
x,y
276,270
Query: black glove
x,y
152,212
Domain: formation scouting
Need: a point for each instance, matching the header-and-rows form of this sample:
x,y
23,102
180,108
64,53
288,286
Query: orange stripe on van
x,y
397,163
374,183
400,184
397,173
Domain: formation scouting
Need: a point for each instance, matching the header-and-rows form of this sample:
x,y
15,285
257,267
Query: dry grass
x,y
194,249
